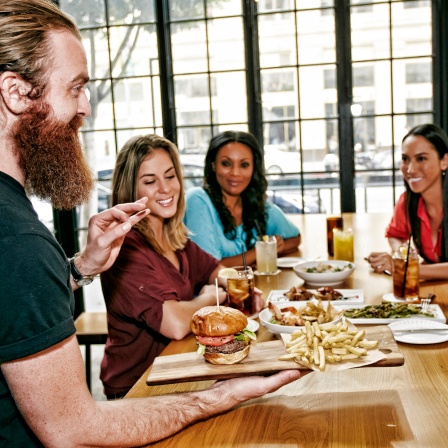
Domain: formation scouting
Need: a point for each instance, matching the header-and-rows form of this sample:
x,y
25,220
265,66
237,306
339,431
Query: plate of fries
x,y
288,317
334,346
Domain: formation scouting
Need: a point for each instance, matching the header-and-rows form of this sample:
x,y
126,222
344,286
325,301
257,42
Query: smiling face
x,y
157,179
420,164
234,167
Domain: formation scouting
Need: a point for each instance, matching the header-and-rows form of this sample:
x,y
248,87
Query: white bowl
x,y
324,278
266,315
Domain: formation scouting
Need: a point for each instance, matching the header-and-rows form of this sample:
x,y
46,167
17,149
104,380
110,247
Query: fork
x,y
425,304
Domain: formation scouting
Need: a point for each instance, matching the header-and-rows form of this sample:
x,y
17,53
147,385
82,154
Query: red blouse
x,y
399,227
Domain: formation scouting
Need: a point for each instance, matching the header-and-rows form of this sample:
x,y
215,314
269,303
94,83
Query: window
x,y
363,76
329,78
418,72
415,4
284,89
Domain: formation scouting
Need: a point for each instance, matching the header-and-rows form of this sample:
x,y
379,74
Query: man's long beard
x,y
50,155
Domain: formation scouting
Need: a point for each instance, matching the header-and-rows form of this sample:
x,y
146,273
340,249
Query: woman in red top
x,y
421,211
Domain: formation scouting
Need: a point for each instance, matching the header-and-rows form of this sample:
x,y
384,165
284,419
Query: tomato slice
x,y
215,341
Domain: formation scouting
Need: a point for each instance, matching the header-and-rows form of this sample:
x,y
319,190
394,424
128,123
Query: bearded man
x,y
44,400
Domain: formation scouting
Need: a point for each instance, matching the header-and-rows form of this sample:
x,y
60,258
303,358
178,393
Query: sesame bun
x,y
217,321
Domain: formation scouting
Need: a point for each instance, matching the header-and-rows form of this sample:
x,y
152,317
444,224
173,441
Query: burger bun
x,y
217,321
227,358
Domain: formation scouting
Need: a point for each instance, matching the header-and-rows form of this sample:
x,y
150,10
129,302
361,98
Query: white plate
x,y
271,273
351,296
319,279
398,328
253,325
435,309
266,315
289,262
389,297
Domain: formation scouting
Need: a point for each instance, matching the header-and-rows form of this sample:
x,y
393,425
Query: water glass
x,y
266,254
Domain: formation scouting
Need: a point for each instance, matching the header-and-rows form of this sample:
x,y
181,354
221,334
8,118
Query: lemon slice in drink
x,y
228,273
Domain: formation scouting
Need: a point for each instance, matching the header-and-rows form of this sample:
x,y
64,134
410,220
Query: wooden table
x,y
369,407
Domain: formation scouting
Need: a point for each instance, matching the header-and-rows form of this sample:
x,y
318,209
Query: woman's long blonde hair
x,y
125,188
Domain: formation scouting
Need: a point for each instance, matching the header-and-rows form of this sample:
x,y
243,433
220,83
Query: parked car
x,y
279,160
383,158
290,202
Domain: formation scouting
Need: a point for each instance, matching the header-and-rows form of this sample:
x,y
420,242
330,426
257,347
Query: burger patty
x,y
230,347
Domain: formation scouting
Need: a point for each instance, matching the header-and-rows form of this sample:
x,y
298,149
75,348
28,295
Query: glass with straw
x,y
406,273
240,288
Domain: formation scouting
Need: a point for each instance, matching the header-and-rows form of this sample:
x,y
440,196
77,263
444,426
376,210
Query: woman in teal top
x,y
231,209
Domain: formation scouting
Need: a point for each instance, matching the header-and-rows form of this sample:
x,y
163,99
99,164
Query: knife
x,y
420,330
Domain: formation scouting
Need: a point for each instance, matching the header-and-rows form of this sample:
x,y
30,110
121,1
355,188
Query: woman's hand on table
x,y
380,262
211,290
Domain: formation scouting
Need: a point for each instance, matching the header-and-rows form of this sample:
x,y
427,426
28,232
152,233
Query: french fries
x,y
319,344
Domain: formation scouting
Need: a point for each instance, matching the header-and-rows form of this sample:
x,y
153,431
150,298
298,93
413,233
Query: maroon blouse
x,y
135,288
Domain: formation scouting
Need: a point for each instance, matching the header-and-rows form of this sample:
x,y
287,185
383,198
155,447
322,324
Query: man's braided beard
x,y
51,157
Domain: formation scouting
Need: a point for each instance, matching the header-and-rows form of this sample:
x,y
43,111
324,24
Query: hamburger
x,y
222,334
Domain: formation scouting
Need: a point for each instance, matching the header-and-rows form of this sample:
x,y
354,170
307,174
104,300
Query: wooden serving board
x,y
262,360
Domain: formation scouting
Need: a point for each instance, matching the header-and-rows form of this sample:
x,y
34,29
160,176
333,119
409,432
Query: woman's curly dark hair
x,y
253,197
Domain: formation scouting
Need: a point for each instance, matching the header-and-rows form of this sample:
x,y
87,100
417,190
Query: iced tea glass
x,y
408,290
240,290
266,254
333,222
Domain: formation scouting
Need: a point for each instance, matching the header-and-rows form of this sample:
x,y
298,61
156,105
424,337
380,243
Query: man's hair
x,y
24,44
125,187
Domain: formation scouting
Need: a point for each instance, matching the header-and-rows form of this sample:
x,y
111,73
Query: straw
x,y
217,292
403,286
244,257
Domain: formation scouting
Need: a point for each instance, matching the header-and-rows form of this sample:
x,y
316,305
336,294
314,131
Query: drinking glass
x,y
343,244
333,222
240,290
266,254
408,289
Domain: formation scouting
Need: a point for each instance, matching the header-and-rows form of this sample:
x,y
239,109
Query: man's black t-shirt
x,y
36,299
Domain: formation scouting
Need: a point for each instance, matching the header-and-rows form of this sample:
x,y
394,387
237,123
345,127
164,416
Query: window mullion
x,y
253,77
345,98
168,105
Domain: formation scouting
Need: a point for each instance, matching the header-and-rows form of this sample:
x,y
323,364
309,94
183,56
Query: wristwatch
x,y
80,279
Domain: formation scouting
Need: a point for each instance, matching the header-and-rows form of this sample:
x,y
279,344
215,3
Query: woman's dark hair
x,y
253,197
434,134
439,140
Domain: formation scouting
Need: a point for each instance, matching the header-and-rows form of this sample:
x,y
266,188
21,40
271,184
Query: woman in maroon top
x,y
422,210
160,277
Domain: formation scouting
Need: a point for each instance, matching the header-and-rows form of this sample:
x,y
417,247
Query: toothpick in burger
x,y
222,334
